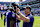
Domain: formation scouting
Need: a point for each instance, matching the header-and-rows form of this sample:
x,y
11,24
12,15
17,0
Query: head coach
x,y
28,18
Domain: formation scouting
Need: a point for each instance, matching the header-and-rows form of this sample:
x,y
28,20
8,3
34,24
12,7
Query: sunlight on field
x,y
36,22
2,21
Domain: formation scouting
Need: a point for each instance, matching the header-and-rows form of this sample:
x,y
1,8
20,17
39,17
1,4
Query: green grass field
x,y
2,22
36,22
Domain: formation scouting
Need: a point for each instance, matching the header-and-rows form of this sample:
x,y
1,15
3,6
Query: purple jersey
x,y
10,15
29,24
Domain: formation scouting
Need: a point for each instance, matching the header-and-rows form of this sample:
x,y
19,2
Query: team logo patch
x,y
13,15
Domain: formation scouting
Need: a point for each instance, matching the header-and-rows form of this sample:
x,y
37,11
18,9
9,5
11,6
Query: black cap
x,y
14,4
29,7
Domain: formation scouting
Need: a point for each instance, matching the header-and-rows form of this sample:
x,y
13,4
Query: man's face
x,y
26,10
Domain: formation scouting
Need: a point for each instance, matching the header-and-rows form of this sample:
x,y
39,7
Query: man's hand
x,y
17,10
22,17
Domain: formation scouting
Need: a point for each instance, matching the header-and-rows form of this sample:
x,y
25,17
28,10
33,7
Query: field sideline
x,y
36,22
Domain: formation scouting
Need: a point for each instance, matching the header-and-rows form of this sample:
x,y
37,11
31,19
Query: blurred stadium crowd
x,y
35,5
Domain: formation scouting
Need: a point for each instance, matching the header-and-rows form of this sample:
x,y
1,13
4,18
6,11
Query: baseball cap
x,y
28,6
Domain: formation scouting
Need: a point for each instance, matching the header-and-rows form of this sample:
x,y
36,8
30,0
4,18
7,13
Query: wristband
x,y
18,13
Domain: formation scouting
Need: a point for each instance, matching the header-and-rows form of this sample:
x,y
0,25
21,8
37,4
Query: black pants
x,y
4,21
12,21
1,16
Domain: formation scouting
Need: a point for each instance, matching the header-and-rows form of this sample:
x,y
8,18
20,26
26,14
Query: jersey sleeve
x,y
31,19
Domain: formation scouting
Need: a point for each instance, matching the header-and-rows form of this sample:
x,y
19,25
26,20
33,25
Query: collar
x,y
27,15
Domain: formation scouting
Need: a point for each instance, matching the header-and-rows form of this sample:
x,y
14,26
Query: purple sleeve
x,y
31,19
